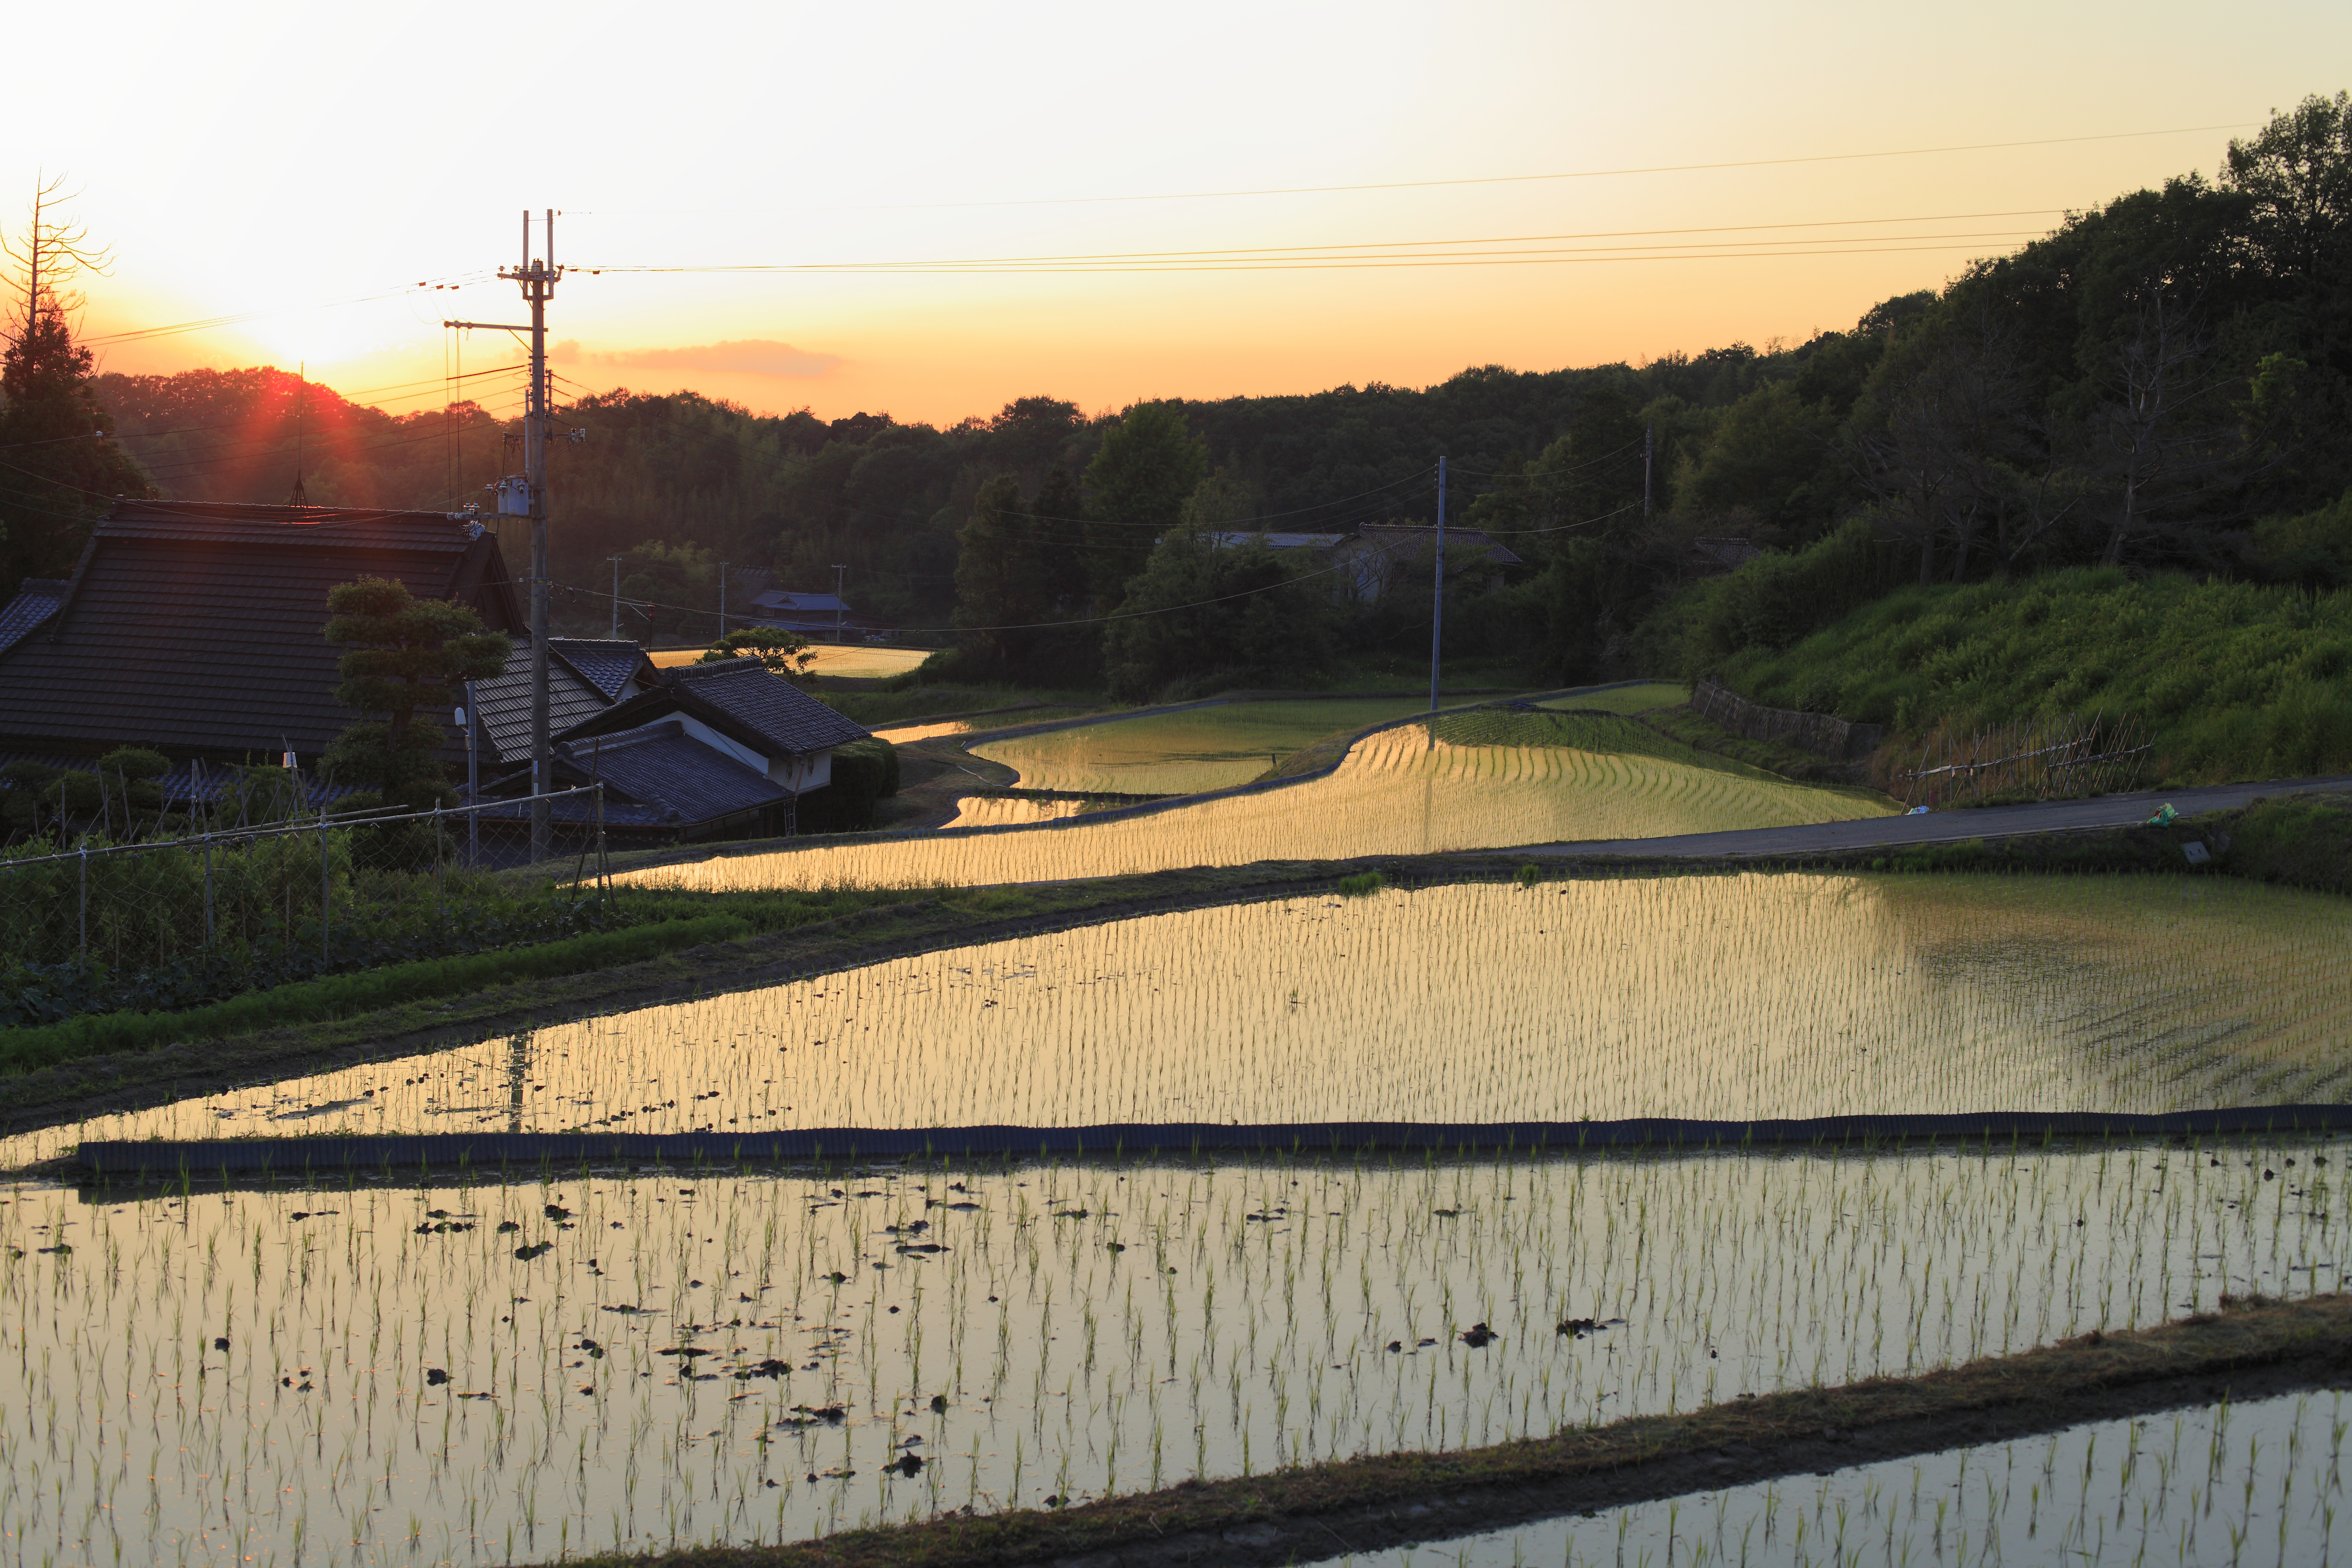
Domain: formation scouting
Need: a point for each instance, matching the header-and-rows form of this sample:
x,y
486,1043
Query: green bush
x,y
1362,885
1769,602
2235,680
339,995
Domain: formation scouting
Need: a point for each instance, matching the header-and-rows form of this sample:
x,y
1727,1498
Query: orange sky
x,y
289,159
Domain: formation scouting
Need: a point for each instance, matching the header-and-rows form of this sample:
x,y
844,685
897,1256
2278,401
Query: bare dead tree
x,y
48,253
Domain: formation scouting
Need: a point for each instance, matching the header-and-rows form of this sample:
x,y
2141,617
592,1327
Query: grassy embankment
x,y
2233,680
2250,1348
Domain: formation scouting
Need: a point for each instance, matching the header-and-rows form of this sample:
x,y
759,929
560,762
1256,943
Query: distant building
x,y
1379,556
820,617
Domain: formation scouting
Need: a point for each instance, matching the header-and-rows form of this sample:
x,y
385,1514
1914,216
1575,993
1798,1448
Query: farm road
x,y
1938,828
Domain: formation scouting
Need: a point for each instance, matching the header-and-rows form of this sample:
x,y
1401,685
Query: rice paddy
x,y
389,1371
1187,752
1008,811
1228,744
1479,782
2258,1482
863,660
1733,995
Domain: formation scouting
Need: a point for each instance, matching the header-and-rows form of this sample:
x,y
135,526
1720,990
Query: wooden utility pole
x,y
538,277
1437,591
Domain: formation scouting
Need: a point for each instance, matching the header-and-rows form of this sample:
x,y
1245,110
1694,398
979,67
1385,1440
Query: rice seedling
x,y
1720,996
1405,791
387,1370
1948,1507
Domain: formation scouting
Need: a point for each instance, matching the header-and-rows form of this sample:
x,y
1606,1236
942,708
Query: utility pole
x,y
616,596
538,277
722,601
837,606
1649,443
1437,591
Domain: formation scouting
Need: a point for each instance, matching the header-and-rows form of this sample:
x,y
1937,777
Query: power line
x,y
1529,179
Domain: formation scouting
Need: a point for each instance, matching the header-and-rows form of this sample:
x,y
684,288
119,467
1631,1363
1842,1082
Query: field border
x,y
2250,1349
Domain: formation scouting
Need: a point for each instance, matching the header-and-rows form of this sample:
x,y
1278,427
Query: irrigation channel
x,y
2260,1482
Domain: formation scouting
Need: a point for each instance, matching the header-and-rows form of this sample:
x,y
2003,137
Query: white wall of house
x,y
802,775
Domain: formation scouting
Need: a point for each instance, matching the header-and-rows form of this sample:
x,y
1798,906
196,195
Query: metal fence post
x,y
440,897
326,884
85,904
208,891
604,871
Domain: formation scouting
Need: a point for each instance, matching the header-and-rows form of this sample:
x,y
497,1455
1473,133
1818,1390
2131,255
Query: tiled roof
x,y
661,766
197,628
1234,538
605,663
741,698
505,701
1418,536
36,602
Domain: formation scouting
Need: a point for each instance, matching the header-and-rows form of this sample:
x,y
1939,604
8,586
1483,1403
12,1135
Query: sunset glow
x,y
260,171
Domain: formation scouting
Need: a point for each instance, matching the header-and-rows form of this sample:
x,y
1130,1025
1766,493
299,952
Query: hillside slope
x,y
2235,680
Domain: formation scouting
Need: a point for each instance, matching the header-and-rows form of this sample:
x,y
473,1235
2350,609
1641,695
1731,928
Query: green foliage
x,y
1022,587
24,1049
405,654
786,653
2235,680
1250,622
2314,549
2302,839
63,460
1362,885
1146,467
1769,602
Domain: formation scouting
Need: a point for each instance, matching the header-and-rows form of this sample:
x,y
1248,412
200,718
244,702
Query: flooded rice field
x,y
1729,995
2254,1483
1481,781
1009,811
864,660
1184,752
384,1371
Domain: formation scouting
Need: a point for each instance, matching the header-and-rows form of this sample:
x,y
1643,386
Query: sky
x,y
1524,188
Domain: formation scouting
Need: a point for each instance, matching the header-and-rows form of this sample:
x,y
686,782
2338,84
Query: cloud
x,y
744,356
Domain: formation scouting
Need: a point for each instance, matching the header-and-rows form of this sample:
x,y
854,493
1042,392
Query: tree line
x,y
2162,381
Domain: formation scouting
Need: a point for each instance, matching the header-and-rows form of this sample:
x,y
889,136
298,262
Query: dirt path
x,y
1936,828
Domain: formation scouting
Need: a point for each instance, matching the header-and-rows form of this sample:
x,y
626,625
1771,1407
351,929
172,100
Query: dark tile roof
x,y
659,765
743,700
605,663
505,701
36,602
1413,536
194,628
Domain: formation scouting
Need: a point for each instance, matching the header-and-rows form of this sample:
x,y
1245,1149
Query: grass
x,y
1279,1511
2235,680
1691,728
1185,753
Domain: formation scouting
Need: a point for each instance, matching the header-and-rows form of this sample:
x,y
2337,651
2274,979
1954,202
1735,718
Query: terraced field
x,y
1205,749
1709,995
1484,781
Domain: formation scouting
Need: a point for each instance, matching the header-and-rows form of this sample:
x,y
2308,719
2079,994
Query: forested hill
x,y
797,493
2144,386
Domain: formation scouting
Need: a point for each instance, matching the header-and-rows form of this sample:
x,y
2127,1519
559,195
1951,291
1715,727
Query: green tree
x,y
1148,465
1202,617
406,654
63,463
786,653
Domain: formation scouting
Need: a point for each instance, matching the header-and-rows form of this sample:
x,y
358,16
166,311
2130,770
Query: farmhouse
x,y
194,629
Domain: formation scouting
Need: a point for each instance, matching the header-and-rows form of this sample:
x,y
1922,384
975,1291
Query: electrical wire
x,y
1529,179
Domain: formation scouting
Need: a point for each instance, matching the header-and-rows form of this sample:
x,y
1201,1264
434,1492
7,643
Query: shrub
x,y
1362,885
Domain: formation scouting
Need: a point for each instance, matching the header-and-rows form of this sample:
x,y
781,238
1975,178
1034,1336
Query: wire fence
x,y
99,925
2057,758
